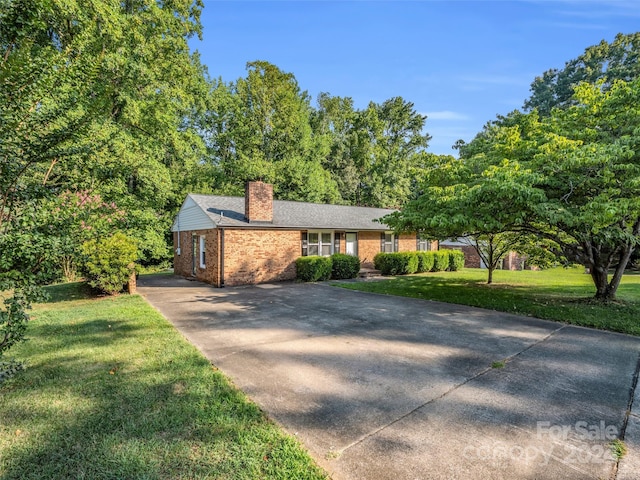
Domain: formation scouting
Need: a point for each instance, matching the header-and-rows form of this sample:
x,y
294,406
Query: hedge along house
x,y
255,239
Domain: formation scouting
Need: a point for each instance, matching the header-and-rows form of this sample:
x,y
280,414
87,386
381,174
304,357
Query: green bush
x,y
425,261
396,263
410,262
388,263
440,261
344,266
109,262
313,268
456,260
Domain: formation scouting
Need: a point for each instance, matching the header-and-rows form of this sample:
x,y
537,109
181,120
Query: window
x,y
337,236
388,242
423,244
202,251
317,243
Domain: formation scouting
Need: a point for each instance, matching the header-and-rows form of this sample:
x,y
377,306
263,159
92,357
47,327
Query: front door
x,y
351,240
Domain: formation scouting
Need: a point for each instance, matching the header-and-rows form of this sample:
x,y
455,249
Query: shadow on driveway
x,y
381,387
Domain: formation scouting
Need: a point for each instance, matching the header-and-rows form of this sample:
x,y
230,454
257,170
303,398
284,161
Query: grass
x,y
618,449
556,294
113,391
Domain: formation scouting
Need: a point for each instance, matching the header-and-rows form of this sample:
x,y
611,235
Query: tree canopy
x,y
605,63
95,97
571,179
263,126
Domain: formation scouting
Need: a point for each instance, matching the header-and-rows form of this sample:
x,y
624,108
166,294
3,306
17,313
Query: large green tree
x,y
258,127
390,144
94,96
333,122
605,62
458,199
572,179
374,154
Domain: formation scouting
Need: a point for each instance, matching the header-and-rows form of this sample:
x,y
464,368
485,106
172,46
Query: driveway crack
x,y
452,389
628,413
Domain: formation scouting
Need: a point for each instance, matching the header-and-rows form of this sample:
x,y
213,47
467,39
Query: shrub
x,y
396,263
313,268
109,262
409,262
440,261
344,266
456,260
387,263
425,261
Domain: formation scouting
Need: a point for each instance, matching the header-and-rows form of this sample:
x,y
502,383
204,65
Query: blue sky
x,y
459,62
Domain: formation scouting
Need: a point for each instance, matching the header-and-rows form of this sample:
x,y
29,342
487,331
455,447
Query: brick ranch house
x,y
254,239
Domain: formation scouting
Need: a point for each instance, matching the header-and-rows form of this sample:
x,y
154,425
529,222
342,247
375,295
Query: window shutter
x,y
336,242
304,242
382,241
395,243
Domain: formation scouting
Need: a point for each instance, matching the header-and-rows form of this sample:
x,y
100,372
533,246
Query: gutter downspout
x,y
221,269
220,251
179,251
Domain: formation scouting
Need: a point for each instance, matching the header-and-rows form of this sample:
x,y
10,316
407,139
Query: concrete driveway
x,y
381,387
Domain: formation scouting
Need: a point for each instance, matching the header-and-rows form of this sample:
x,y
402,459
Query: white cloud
x,y
446,115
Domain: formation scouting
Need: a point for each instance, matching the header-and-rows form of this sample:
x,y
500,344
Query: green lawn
x,y
113,391
555,294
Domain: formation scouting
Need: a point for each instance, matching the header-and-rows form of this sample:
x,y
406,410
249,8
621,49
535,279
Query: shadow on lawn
x,y
65,292
111,398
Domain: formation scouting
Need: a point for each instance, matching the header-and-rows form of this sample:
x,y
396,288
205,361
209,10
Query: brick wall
x,y
258,202
368,247
183,263
257,256
407,242
471,257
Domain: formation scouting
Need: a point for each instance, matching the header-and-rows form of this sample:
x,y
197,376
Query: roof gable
x,y
192,217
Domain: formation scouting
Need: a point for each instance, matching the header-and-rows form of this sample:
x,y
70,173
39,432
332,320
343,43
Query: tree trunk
x,y
605,289
601,281
490,275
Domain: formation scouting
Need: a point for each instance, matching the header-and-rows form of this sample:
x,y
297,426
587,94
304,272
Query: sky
x,y
460,63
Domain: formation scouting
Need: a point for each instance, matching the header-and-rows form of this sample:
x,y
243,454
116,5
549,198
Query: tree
x,y
590,174
572,179
94,96
389,145
605,62
259,128
375,154
458,200
333,123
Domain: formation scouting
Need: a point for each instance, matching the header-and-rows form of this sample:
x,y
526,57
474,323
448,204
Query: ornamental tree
x,y
571,179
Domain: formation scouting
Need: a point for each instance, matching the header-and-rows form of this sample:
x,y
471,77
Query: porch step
x,y
369,272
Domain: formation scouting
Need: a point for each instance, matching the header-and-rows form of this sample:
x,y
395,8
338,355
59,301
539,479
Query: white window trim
x,y
393,242
201,251
320,244
423,241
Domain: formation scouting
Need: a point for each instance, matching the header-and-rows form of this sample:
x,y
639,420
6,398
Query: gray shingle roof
x,y
286,214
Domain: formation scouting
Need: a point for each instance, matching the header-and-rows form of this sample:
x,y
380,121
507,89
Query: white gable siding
x,y
191,217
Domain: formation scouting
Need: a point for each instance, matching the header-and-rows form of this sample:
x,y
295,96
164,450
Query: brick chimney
x,y
258,202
